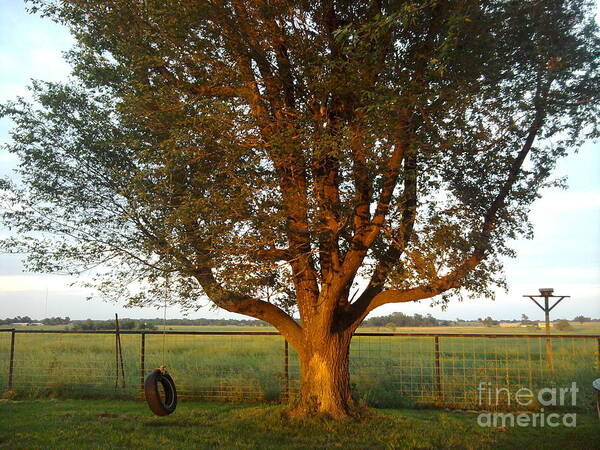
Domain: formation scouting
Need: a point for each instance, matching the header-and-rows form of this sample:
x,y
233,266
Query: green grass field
x,y
86,424
387,371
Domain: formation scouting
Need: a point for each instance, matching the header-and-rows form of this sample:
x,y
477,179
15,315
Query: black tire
x,y
155,402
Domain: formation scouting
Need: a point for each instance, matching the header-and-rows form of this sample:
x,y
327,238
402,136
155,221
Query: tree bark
x,y
325,376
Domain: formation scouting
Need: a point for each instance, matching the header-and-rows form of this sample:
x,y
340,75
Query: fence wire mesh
x,y
387,370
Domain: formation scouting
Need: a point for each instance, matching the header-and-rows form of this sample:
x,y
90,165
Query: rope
x,y
170,186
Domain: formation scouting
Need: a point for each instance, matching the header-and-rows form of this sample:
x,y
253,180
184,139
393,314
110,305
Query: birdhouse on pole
x,y
547,294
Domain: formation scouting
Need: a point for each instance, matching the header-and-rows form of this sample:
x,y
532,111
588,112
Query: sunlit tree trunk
x,y
324,373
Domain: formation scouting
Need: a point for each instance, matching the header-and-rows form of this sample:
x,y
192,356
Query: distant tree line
x,y
396,319
403,320
153,324
124,324
211,322
27,319
399,319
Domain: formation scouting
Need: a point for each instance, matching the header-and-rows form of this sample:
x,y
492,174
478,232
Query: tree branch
x,y
242,304
372,297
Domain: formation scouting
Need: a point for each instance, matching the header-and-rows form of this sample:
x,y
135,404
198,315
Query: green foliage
x,y
489,322
18,319
235,149
27,319
124,324
582,319
152,324
563,325
399,319
56,321
211,322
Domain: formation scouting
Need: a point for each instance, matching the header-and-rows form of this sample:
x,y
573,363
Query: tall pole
x,y
546,293
549,349
547,312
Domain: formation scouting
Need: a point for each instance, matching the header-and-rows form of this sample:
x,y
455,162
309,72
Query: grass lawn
x,y
129,424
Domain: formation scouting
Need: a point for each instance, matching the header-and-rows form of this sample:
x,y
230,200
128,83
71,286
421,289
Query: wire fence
x,y
468,371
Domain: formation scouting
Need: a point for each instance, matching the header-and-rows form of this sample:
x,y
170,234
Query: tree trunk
x,y
325,376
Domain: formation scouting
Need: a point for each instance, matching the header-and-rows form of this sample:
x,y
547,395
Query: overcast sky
x,y
565,253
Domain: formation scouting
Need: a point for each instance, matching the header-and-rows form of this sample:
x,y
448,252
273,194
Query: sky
x,y
564,254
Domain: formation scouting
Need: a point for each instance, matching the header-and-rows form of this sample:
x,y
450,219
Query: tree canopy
x,y
325,157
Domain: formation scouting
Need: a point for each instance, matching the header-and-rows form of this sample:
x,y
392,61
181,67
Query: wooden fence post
x,y
118,354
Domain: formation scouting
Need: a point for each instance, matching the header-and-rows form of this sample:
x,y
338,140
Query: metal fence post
x,y
438,374
286,370
12,360
142,360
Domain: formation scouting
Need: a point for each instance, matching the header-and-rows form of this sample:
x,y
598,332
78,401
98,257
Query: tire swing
x,y
160,378
158,405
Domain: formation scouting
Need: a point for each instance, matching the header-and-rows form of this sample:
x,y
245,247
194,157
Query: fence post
x,y
119,353
116,358
598,355
286,370
142,360
438,374
12,360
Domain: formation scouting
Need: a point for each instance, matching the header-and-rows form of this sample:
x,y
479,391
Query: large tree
x,y
281,157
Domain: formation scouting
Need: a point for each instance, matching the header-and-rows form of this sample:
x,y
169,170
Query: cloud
x,y
536,276
558,202
38,282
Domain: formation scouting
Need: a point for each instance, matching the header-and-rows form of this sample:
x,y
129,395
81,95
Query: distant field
x,y
387,371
